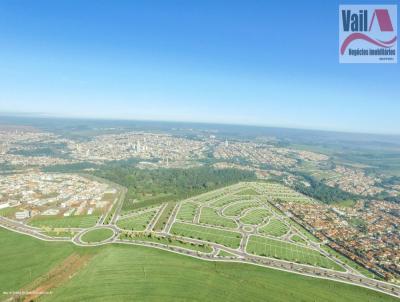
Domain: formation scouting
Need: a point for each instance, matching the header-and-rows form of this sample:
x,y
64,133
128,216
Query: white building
x,y
4,205
23,214
51,212
69,212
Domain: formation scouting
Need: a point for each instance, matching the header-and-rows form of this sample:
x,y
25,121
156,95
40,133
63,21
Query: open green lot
x,y
226,200
151,275
237,208
298,239
187,211
274,228
59,233
223,253
8,212
282,193
227,238
287,251
255,217
84,221
97,235
138,222
210,216
120,272
24,259
249,191
170,241
166,213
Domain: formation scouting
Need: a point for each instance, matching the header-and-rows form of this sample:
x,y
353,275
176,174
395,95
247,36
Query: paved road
x,y
171,218
119,206
240,254
27,230
77,239
136,213
279,264
153,222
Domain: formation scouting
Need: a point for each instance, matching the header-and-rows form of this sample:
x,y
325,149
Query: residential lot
x,y
244,222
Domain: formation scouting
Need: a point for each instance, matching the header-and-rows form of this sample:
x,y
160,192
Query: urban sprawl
x,y
367,231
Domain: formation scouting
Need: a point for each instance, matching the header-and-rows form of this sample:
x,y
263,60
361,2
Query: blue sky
x,y
246,62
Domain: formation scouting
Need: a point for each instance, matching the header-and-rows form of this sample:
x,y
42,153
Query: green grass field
x,y
298,239
282,193
210,216
287,251
59,233
226,200
162,221
187,212
227,238
249,191
255,217
170,241
222,253
64,222
120,272
144,202
203,198
24,259
237,208
97,235
274,228
138,222
8,212
148,274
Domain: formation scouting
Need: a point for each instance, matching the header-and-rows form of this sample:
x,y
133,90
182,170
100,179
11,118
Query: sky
x,y
241,62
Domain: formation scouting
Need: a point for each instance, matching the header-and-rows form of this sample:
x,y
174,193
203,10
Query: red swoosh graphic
x,y
360,36
388,42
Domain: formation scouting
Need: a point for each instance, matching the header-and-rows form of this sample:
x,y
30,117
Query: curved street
x,y
239,255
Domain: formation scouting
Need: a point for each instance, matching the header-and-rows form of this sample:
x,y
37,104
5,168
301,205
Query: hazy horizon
x,y
36,115
204,62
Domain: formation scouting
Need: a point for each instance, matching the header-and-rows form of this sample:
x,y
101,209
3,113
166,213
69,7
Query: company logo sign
x,y
368,33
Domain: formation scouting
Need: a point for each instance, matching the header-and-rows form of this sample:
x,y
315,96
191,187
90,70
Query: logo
x,y
368,33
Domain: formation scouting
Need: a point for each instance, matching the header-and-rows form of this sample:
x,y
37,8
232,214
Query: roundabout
x,y
96,236
248,229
